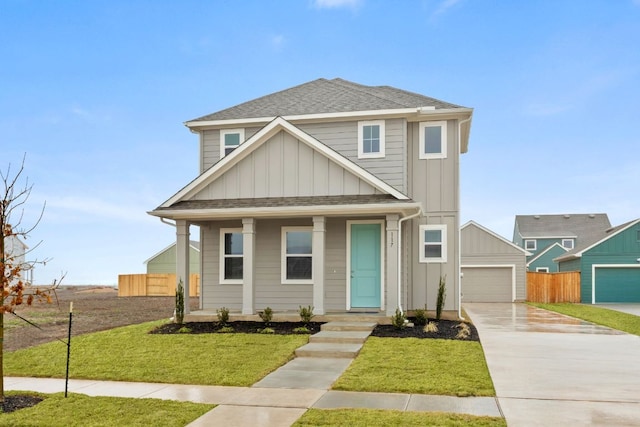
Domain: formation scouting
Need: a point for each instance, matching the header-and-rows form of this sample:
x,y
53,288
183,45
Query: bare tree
x,y
13,284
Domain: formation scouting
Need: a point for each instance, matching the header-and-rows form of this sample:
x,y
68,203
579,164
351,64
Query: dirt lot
x,y
95,308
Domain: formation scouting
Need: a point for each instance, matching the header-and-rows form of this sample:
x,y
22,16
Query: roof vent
x,y
592,216
536,216
567,216
426,108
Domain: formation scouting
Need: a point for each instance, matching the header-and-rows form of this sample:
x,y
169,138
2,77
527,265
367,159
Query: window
x,y
433,243
638,235
530,245
542,269
567,243
297,254
371,139
433,140
230,139
231,255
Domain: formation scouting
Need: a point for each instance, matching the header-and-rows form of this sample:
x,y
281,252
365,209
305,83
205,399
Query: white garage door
x,y
487,284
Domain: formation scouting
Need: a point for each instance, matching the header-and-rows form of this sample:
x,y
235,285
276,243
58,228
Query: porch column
x,y
392,265
182,259
248,264
317,267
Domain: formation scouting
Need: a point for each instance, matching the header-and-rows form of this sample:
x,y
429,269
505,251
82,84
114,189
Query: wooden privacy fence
x,y
553,287
154,285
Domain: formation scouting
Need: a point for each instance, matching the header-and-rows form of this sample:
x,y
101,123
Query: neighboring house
x,y
493,268
542,262
536,233
332,194
609,265
16,249
164,262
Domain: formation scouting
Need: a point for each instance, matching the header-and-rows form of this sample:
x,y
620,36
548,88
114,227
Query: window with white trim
x,y
371,139
542,269
567,243
530,245
638,235
433,243
433,140
297,254
231,255
230,139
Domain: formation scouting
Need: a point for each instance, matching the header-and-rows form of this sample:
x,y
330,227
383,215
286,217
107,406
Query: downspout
x,y
458,224
164,221
400,255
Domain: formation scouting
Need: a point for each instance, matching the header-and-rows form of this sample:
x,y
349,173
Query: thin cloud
x,y
445,6
337,4
89,208
277,42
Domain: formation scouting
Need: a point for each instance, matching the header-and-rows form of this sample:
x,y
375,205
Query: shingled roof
x,y
327,96
580,226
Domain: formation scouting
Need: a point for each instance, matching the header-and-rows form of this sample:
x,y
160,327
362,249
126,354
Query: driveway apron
x,y
550,369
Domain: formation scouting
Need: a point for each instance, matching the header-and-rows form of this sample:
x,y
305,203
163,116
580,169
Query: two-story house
x,y
332,194
547,237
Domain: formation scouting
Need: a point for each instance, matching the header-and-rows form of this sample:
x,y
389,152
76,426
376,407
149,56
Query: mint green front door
x,y
365,265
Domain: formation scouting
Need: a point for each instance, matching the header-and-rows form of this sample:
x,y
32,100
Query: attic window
x,y
433,140
371,141
567,243
230,139
530,245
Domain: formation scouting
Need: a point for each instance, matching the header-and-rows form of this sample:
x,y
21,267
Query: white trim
x,y
251,144
443,244
443,142
542,269
535,245
167,248
497,236
381,130
224,132
513,274
283,255
593,275
382,258
544,251
222,257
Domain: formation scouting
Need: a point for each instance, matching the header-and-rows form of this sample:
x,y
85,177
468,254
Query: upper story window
x,y
231,255
542,269
567,243
297,254
433,243
371,139
530,245
433,140
230,139
638,235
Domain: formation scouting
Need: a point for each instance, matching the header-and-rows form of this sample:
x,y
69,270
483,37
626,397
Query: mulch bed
x,y
19,401
447,329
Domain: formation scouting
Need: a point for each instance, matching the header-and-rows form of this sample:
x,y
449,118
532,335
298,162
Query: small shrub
x,y
420,317
266,315
226,330
306,314
223,315
179,303
301,330
184,330
267,331
442,296
431,327
463,331
399,319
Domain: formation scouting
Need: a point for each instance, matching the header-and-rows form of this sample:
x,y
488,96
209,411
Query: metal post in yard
x,y
66,382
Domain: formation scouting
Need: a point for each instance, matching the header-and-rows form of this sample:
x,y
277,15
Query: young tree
x,y
14,289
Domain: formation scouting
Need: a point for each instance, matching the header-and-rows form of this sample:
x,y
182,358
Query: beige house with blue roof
x,y
332,194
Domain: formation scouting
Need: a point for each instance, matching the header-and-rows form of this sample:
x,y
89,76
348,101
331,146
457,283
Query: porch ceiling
x,y
357,205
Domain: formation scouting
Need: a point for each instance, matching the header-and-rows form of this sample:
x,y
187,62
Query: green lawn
x,y
602,316
84,411
380,418
412,365
131,354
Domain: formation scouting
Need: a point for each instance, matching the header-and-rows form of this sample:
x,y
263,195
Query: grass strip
x,y
602,316
382,418
424,366
85,411
131,354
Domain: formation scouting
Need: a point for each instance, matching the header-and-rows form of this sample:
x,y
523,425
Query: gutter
x,y
458,226
400,255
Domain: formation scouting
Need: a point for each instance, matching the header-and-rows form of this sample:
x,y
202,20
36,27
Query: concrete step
x,y
329,350
344,337
348,326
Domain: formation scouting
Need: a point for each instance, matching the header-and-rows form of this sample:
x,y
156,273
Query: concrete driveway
x,y
625,308
553,370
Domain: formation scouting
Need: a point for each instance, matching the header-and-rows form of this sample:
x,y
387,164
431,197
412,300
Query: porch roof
x,y
376,204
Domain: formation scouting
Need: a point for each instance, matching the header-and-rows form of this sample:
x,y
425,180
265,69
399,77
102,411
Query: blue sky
x,y
96,94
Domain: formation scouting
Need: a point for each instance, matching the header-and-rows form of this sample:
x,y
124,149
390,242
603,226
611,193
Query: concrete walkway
x,y
629,308
550,369
281,397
